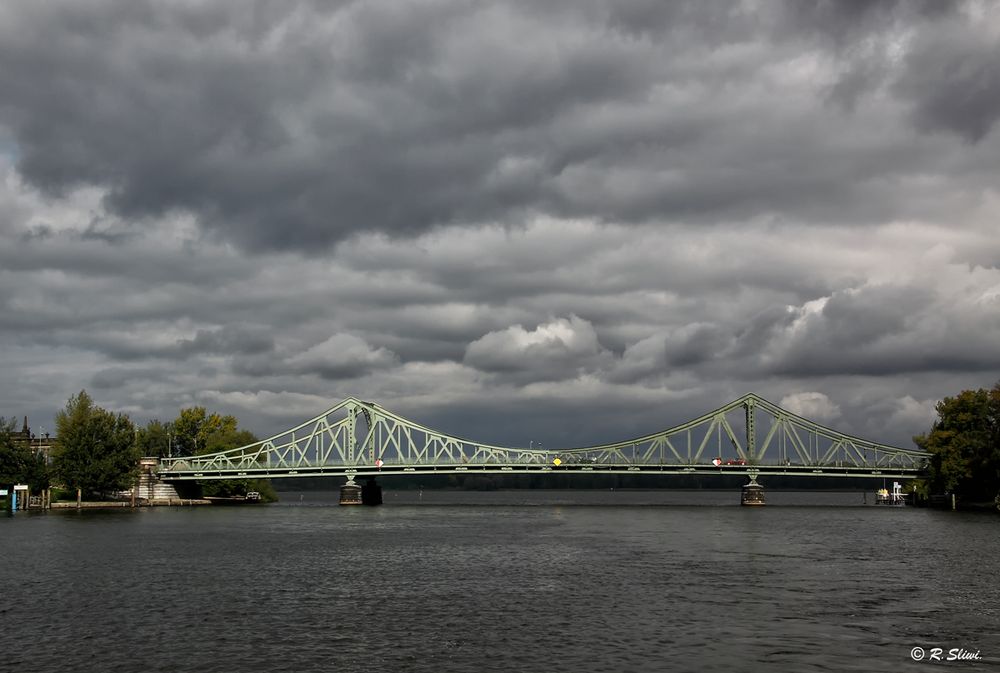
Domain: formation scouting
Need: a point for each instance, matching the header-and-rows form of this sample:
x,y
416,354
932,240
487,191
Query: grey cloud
x,y
842,20
340,356
296,126
890,330
695,344
337,357
558,349
114,378
953,81
231,339
261,130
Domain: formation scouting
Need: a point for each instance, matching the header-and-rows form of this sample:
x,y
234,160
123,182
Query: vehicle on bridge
x,y
729,462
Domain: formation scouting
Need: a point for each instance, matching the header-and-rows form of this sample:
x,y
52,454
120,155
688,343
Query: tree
x,y
194,428
155,439
225,439
95,449
198,432
18,463
965,445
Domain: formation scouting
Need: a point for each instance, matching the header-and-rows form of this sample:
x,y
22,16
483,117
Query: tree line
x,y
97,451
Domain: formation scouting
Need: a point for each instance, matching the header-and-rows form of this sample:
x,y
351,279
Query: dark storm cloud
x,y
845,20
295,125
892,330
328,122
954,83
232,339
121,341
115,378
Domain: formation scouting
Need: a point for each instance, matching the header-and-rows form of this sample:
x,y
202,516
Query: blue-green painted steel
x,y
362,438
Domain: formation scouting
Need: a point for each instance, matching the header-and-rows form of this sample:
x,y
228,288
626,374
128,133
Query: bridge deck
x,y
385,470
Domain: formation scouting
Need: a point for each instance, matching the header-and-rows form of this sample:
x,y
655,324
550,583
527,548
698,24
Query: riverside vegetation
x,y
97,451
964,443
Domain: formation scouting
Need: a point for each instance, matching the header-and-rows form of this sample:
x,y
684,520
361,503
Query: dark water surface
x,y
505,581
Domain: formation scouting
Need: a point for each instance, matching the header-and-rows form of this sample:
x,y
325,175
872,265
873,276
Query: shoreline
x,y
120,504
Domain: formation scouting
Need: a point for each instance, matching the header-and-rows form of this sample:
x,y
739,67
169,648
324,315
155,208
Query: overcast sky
x,y
563,222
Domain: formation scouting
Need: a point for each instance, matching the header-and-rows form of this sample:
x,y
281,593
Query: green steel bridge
x,y
749,436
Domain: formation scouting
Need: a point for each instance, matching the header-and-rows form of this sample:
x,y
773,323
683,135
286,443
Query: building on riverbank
x,y
40,443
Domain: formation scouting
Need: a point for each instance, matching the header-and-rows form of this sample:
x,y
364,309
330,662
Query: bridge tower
x,y
352,493
753,493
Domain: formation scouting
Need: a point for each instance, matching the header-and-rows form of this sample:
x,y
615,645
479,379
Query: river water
x,y
503,581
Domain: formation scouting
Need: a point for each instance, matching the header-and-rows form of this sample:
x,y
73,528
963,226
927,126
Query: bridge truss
x,y
747,436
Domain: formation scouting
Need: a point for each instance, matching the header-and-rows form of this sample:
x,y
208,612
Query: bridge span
x,y
749,436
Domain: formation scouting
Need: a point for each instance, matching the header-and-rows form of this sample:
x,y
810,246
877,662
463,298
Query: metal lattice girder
x,y
356,437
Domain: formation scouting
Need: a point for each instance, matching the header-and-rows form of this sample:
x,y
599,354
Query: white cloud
x,y
560,348
812,405
341,356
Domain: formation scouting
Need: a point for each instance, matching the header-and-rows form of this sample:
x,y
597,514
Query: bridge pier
x,y
753,493
350,493
353,493
371,492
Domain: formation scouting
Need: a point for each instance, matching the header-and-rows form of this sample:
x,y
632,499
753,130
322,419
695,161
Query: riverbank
x,y
118,504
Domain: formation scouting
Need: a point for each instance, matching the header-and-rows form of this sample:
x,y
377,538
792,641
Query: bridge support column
x,y
753,493
350,493
371,492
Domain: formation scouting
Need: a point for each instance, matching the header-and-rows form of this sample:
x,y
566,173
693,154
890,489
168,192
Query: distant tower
x,y
24,430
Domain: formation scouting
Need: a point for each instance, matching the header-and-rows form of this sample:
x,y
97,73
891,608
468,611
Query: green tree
x,y
965,445
198,432
155,439
226,438
186,427
19,464
95,449
194,429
